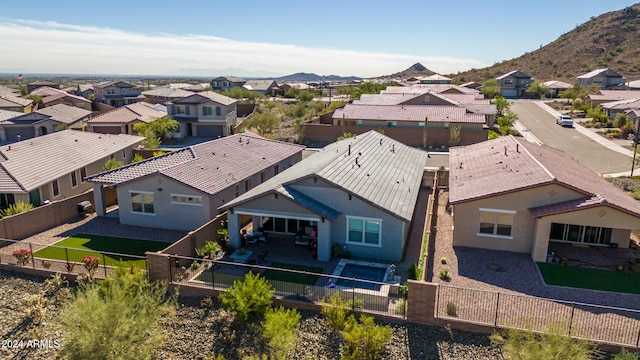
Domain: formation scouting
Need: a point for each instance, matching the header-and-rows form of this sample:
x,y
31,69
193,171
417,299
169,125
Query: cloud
x,y
53,47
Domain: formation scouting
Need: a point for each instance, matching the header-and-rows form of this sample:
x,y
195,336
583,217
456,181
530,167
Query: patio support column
x,y
233,225
98,199
324,240
256,222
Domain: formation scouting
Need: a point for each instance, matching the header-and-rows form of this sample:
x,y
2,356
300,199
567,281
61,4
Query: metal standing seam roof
x,y
211,166
435,113
380,170
34,162
128,113
483,170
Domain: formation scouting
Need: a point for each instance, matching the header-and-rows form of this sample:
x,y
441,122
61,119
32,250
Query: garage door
x,y
24,132
107,129
209,131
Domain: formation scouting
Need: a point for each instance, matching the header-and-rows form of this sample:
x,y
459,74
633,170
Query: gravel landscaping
x,y
196,332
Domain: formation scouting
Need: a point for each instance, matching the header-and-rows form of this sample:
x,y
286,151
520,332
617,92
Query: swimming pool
x,y
361,270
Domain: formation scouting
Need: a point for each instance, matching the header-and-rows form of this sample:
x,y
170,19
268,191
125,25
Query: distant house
x,y
121,120
359,193
41,83
85,90
53,96
42,122
54,166
633,85
226,82
604,78
434,79
12,102
514,84
605,96
264,87
204,114
555,87
117,93
613,108
183,189
471,85
518,196
164,95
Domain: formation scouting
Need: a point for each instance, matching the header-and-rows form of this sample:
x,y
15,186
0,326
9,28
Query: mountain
x,y
416,69
212,73
611,40
307,77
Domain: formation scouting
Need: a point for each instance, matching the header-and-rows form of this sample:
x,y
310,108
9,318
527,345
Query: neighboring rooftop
x,y
612,95
505,165
28,164
8,114
434,113
374,167
168,92
140,111
211,166
205,96
64,113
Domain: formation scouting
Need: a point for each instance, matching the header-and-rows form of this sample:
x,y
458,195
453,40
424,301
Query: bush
x,y
45,264
335,311
91,263
22,256
16,208
365,340
250,298
208,250
116,318
552,345
444,275
278,331
620,120
452,310
625,355
195,265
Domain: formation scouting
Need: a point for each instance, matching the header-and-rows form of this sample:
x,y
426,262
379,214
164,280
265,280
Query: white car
x,y
564,120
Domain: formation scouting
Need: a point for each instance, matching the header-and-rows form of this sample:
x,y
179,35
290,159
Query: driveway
x,y
536,121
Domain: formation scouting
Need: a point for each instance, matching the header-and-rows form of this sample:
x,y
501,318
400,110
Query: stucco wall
x,y
466,217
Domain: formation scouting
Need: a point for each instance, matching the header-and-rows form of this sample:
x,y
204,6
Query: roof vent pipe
x,y
349,153
393,148
517,148
505,151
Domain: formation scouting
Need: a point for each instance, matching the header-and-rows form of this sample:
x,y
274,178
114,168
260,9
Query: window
x,y
247,184
55,188
74,179
180,110
421,124
276,169
364,231
218,111
392,123
207,111
111,91
180,199
581,234
83,174
124,153
263,177
142,202
508,82
359,122
496,223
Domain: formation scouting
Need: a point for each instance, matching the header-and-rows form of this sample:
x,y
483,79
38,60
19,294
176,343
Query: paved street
x,y
576,142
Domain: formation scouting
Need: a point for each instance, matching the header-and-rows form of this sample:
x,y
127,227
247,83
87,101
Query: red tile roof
x,y
128,113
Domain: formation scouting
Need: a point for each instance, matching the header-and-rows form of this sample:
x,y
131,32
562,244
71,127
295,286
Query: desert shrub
x,y
137,158
401,307
625,355
365,340
17,208
620,120
493,135
278,331
551,345
116,318
195,265
35,308
577,103
335,311
249,298
444,275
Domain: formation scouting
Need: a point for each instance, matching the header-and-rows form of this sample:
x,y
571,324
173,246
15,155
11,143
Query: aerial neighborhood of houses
x,y
349,184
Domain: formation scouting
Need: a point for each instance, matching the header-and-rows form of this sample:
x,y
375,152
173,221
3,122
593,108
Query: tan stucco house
x,y
182,190
518,196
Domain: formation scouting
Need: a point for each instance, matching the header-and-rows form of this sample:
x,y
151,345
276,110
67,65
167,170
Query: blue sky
x,y
269,38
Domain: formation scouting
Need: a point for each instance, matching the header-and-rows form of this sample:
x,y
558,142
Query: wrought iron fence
x,y
63,259
295,285
594,322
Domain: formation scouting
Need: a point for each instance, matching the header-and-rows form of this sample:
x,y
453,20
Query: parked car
x,y
564,120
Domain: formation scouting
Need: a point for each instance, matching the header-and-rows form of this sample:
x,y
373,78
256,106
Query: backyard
x,y
115,249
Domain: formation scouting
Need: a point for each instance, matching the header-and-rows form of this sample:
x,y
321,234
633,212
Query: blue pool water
x,y
372,273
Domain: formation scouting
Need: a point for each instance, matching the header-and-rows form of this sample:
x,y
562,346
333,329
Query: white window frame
x,y
142,212
190,200
181,110
363,219
73,175
495,223
53,188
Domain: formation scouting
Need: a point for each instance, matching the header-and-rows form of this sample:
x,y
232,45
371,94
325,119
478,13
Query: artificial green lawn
x,y
81,245
587,278
275,275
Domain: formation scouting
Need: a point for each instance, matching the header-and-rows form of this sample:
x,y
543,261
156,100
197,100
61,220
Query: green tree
x,y
506,121
111,164
249,298
298,128
264,122
502,105
538,88
305,96
116,318
621,120
551,345
490,88
597,115
160,128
